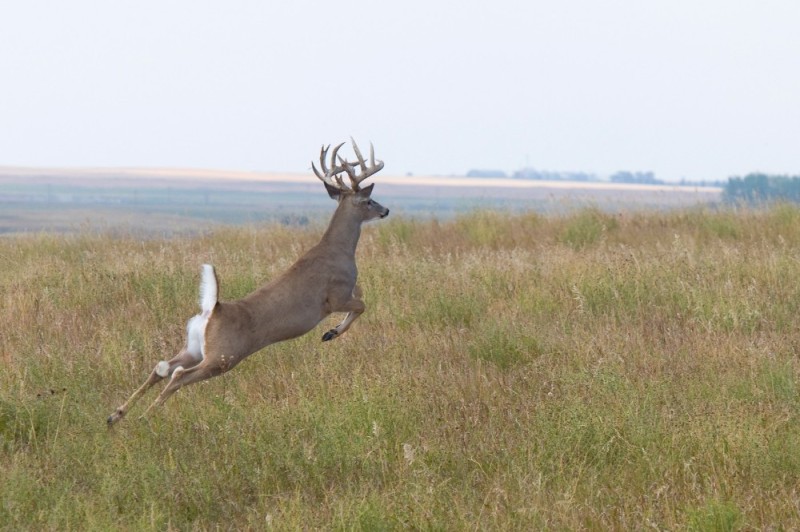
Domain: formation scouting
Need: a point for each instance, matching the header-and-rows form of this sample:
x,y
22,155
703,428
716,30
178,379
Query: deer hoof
x,y
116,416
330,335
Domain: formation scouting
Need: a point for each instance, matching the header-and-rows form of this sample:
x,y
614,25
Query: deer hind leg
x,y
182,377
354,308
162,370
190,356
120,412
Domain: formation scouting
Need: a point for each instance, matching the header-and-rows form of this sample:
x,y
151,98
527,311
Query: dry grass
x,y
577,372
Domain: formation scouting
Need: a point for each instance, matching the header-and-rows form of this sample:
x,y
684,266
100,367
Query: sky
x,y
688,89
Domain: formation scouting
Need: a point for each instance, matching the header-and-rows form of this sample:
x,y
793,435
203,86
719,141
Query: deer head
x,y
356,197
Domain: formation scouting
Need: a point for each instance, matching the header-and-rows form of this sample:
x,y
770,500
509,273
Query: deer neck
x,y
344,230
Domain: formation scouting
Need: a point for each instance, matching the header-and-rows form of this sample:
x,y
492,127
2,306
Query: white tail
x,y
208,289
321,282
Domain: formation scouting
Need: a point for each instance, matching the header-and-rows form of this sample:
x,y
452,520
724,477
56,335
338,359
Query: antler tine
x,y
335,152
330,176
322,154
361,161
351,173
366,171
377,167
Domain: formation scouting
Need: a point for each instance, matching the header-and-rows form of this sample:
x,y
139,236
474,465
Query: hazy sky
x,y
701,89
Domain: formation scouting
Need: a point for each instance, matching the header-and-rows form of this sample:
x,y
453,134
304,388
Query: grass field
x,y
581,371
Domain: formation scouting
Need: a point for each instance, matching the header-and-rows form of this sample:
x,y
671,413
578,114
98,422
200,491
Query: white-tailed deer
x,y
321,282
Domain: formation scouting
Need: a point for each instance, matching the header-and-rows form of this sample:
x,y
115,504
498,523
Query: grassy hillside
x,y
583,371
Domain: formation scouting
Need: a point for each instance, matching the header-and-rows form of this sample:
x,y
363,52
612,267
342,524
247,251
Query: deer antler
x,y
366,171
332,176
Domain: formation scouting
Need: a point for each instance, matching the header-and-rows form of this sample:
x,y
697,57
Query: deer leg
x,y
182,377
122,410
162,370
354,308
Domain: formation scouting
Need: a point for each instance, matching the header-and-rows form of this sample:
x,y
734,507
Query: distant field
x,y
179,201
582,371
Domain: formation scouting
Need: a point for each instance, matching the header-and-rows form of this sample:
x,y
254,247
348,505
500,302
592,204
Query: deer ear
x,y
333,192
366,191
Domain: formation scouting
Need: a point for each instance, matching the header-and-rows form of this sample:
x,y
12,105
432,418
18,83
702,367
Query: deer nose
x,y
385,213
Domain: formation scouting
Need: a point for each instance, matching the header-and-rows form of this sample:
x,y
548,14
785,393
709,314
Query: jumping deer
x,y
321,282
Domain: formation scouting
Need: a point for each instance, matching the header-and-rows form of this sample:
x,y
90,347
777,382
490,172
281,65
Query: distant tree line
x,y
545,175
622,176
486,173
758,187
642,178
647,178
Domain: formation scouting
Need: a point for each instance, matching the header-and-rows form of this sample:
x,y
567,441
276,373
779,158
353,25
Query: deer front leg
x,y
354,308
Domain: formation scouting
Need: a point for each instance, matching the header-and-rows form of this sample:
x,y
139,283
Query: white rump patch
x,y
196,336
208,289
162,368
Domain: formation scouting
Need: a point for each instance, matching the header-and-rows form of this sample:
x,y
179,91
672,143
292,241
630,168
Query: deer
x,y
319,283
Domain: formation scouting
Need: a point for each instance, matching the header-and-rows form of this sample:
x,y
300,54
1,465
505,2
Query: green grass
x,y
583,371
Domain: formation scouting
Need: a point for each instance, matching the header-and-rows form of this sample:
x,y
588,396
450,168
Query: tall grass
x,y
511,372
